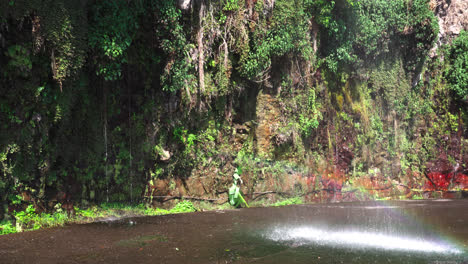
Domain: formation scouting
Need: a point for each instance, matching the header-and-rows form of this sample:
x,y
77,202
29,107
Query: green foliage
x,y
6,227
15,199
117,209
19,63
355,33
289,201
113,27
183,207
30,220
309,119
287,34
379,21
181,135
173,42
52,139
7,166
457,72
323,12
26,218
91,212
425,28
337,31
191,138
63,23
229,6
156,211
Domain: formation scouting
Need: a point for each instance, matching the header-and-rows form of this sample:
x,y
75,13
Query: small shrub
x,y
27,219
183,207
6,227
30,220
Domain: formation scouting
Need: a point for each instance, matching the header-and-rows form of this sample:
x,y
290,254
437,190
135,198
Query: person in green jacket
x,y
236,198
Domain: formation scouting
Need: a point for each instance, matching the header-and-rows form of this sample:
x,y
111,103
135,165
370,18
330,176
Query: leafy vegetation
x,y
183,207
29,219
457,72
289,201
6,227
358,32
177,73
309,120
117,101
113,26
286,35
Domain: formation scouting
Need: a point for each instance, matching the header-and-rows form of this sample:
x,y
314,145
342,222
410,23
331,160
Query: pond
x,y
417,231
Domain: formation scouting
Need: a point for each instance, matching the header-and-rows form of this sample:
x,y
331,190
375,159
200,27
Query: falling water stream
x,y
423,231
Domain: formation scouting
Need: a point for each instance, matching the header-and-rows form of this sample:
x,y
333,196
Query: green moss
x,y
289,201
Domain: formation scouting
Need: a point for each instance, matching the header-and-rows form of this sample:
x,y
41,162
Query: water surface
x,y
423,231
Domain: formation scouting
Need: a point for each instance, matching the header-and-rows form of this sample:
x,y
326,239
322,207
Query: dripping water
x,y
105,145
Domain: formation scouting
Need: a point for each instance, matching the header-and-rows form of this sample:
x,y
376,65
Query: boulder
x,y
453,18
184,5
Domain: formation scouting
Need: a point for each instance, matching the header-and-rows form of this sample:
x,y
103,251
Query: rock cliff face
x,y
322,99
453,18
184,5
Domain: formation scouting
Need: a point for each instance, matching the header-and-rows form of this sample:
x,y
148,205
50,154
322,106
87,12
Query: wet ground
x,y
421,231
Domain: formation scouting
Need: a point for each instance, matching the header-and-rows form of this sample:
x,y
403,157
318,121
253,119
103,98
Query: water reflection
x,y
358,240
